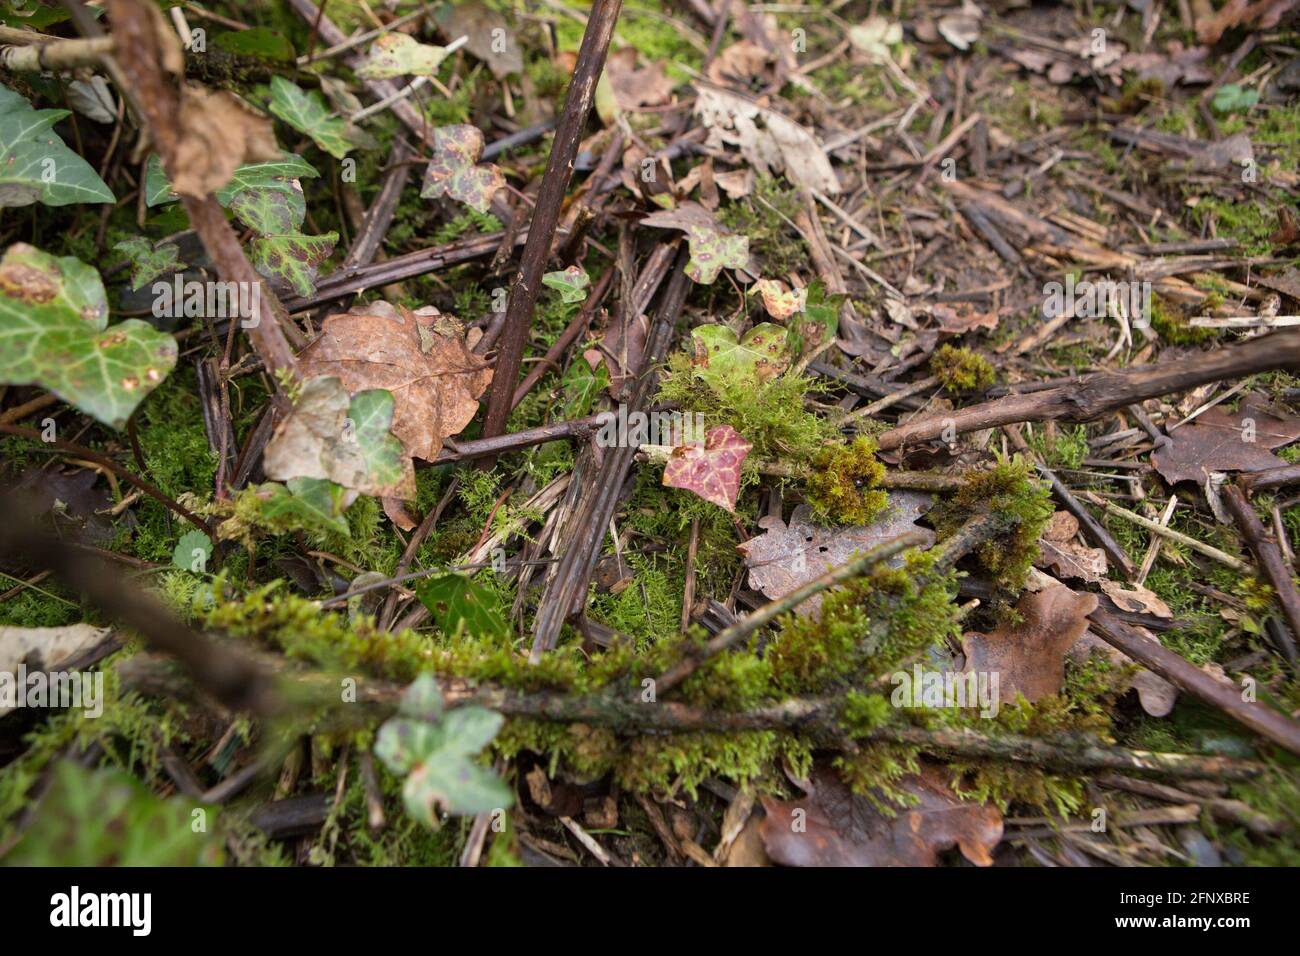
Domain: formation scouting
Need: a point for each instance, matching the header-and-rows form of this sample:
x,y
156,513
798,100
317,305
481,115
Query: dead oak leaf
x,y
1218,440
454,169
832,826
787,556
711,470
1058,551
1029,657
219,132
1260,15
420,357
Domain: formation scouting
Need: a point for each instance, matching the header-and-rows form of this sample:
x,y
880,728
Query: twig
x,y
1154,526
546,213
1269,556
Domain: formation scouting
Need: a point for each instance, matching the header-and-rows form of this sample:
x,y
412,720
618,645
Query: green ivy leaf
x,y
256,41
712,247
54,333
397,54
345,439
193,552
422,700
105,817
582,384
148,262
453,170
307,112
35,165
457,603
292,260
721,357
1232,98
572,283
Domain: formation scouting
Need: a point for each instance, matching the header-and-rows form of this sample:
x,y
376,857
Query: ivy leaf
x,y
721,357
572,283
397,54
780,302
582,384
459,605
54,333
307,112
344,439
256,41
1232,97
711,470
192,552
35,165
712,247
276,173
819,320
293,259
456,150
422,700
148,262
306,503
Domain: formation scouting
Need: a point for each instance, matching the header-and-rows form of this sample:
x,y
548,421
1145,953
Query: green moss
x,y
1066,448
961,369
763,218
1010,491
1171,325
842,487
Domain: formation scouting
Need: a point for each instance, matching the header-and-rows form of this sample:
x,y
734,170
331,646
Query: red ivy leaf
x,y
711,470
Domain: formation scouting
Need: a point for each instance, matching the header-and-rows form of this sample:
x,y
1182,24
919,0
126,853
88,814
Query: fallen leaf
x,y
420,357
741,63
712,247
779,144
874,36
781,302
489,36
1260,15
1057,550
1137,599
571,283
1217,440
40,649
344,438
624,86
218,133
711,470
1029,657
964,319
453,170
398,54
787,556
1188,66
832,826
961,28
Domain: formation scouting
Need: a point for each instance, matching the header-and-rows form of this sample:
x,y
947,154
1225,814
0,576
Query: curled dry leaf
x,y
1029,657
711,470
219,132
779,144
1058,551
841,828
786,556
780,301
453,170
397,54
420,357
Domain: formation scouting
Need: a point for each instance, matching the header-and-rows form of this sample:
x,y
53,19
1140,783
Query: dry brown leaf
x,y
786,556
1137,599
1224,441
219,133
1261,15
1058,551
742,62
634,85
420,357
832,826
1029,657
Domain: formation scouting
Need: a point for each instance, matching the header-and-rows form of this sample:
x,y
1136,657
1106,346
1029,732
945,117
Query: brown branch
x,y
546,212
1258,716
134,28
561,345
1087,398
1269,557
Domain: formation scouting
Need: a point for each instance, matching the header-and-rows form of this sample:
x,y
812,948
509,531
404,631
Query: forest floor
x,y
844,433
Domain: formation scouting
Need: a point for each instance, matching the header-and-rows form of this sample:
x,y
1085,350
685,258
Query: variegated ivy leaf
x,y
572,283
720,357
54,333
422,700
35,165
292,260
274,174
148,262
438,761
712,247
307,112
453,172
711,470
396,54
780,302
346,439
